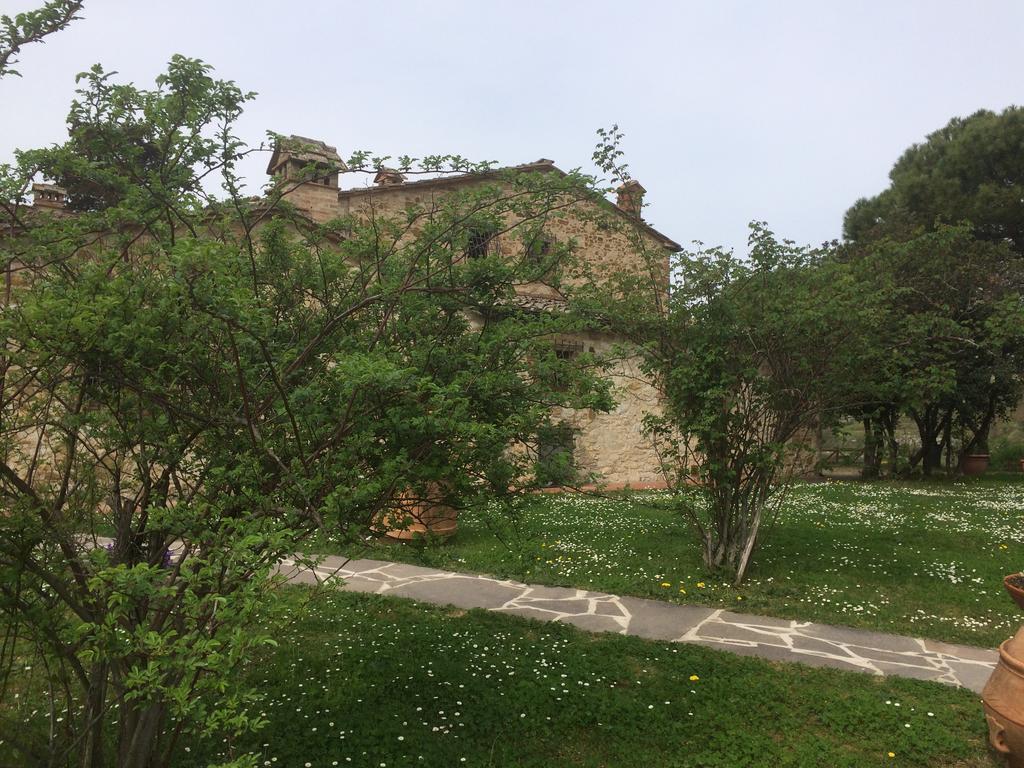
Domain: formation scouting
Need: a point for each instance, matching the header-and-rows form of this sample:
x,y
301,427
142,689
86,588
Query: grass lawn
x,y
382,682
923,559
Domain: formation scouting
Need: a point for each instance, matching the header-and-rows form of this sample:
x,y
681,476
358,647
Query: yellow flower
x,y
700,584
694,678
739,597
665,584
683,591
892,754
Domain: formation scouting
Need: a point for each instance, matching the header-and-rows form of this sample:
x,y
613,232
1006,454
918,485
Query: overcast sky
x,y
781,111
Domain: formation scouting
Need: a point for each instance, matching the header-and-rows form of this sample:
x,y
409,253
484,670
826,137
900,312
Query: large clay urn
x,y
417,515
1014,584
1003,697
974,464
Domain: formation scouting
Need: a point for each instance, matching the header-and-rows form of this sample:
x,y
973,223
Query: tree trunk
x,y
139,735
888,420
709,550
930,427
932,457
819,445
94,717
871,459
748,547
979,435
879,438
947,440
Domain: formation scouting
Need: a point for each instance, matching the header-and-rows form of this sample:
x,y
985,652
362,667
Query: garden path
x,y
770,638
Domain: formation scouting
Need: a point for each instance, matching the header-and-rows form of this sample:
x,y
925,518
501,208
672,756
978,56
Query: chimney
x,y
387,177
631,197
309,171
49,196
306,161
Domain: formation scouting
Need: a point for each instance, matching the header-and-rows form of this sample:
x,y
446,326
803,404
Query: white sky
x,y
785,111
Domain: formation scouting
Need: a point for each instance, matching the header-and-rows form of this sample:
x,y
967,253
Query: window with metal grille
x,y
556,445
566,349
479,243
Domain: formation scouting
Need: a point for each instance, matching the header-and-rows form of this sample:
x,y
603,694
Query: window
x,y
479,243
539,248
567,350
555,460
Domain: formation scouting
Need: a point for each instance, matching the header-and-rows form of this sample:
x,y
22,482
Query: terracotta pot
x,y
1003,699
1016,590
419,515
975,464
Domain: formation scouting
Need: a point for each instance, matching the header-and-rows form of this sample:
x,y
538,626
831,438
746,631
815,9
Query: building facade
x,y
609,447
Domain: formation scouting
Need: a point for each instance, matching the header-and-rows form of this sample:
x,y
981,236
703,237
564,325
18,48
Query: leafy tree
x,y
871,393
947,347
933,357
191,387
970,170
746,354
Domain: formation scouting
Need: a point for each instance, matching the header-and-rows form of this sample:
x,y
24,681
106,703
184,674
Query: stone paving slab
x,y
819,645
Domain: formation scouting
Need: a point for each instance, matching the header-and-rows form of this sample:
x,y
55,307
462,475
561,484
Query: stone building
x,y
610,446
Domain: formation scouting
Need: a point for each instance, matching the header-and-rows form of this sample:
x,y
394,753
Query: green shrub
x,y
1005,453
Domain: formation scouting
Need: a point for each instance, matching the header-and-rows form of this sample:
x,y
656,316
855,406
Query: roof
x,y
43,187
543,165
305,150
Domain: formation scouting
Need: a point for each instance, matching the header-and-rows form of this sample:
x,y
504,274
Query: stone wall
x,y
606,247
612,444
318,201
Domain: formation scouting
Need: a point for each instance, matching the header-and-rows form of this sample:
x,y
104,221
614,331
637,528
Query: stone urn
x,y
416,515
1003,696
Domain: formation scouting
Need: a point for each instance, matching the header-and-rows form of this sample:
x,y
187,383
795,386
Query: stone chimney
x,y
630,197
49,196
387,177
299,159
310,169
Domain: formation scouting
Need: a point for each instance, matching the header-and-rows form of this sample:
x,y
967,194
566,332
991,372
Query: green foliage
x,y
946,343
747,354
952,213
208,382
173,137
32,27
1006,453
970,170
